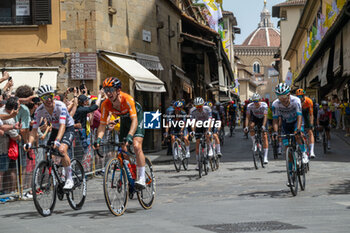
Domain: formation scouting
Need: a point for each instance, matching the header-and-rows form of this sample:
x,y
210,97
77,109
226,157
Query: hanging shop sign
x,y
83,66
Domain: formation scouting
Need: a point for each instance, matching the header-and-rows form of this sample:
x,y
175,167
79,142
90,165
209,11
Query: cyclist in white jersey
x,y
200,113
62,134
288,108
257,116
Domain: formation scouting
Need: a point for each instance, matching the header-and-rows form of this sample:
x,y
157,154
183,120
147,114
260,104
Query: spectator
x,y
337,110
7,165
346,110
23,116
44,131
81,114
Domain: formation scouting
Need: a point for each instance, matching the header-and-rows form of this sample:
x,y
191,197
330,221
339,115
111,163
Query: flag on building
x,y
330,15
340,4
214,9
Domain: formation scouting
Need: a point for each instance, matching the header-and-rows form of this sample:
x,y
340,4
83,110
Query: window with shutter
x,y
25,12
41,12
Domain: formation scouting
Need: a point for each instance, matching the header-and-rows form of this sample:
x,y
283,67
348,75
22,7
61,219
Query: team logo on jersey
x,y
152,120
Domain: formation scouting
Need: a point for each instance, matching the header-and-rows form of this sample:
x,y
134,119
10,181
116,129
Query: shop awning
x,y
31,77
323,73
337,54
149,61
144,79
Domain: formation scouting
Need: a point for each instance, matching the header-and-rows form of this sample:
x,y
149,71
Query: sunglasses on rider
x,y
199,106
283,96
109,89
255,101
46,97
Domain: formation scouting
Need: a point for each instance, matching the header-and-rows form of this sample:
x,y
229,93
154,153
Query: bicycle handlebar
x,y
118,144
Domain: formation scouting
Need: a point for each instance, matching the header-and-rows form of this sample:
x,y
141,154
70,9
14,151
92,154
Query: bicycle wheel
x,y
255,156
115,187
177,159
76,196
324,143
44,189
292,171
261,157
275,149
146,196
200,160
184,159
301,172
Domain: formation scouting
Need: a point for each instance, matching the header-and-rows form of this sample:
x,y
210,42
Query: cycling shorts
x,y
199,132
325,124
67,138
257,121
125,124
290,128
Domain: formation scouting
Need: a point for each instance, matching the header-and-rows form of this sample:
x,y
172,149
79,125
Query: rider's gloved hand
x,y
209,133
246,129
27,146
129,139
97,143
263,128
274,135
166,134
57,143
192,133
298,131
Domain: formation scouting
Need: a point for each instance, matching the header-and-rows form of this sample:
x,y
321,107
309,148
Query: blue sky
x,y
247,13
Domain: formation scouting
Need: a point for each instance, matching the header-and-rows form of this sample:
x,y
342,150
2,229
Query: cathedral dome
x,y
265,35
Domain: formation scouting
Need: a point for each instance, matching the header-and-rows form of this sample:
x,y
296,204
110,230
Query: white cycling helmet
x,y
45,89
282,89
256,97
198,101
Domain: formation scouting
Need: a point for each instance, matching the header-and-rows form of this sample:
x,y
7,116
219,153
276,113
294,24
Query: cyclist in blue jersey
x,y
288,108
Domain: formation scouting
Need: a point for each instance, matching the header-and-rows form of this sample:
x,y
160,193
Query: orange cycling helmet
x,y
300,92
112,82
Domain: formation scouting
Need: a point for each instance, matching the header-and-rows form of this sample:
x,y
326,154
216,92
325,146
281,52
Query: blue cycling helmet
x,y
282,89
178,104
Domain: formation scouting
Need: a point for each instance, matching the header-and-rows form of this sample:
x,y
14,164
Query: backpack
x,y
347,109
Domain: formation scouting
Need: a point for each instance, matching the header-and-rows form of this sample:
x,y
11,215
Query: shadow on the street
x,y
342,188
30,214
168,184
164,171
190,177
277,171
93,214
241,168
24,215
272,194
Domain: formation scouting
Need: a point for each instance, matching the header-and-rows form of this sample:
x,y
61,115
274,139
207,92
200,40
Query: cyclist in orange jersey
x,y
308,116
131,126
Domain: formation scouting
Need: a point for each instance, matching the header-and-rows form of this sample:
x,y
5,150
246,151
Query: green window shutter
x,y
41,12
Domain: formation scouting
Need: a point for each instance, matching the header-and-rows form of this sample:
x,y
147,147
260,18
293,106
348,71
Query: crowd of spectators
x,y
17,108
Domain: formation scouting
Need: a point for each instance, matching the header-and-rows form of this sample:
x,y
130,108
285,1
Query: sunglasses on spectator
x,y
109,89
46,97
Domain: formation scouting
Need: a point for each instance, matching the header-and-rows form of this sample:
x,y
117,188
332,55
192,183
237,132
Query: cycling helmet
x,y
198,101
208,103
256,97
45,89
112,82
300,92
178,104
282,89
324,103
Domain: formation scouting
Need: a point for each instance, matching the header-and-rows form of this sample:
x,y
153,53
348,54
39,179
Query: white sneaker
x,y
140,183
312,155
305,158
254,148
265,160
188,155
279,151
210,153
197,167
69,184
329,146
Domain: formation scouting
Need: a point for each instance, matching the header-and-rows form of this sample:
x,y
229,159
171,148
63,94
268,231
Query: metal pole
x,y
41,75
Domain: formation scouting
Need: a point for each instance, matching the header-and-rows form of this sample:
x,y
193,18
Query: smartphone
x,y
100,87
36,100
15,107
82,86
10,78
71,89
